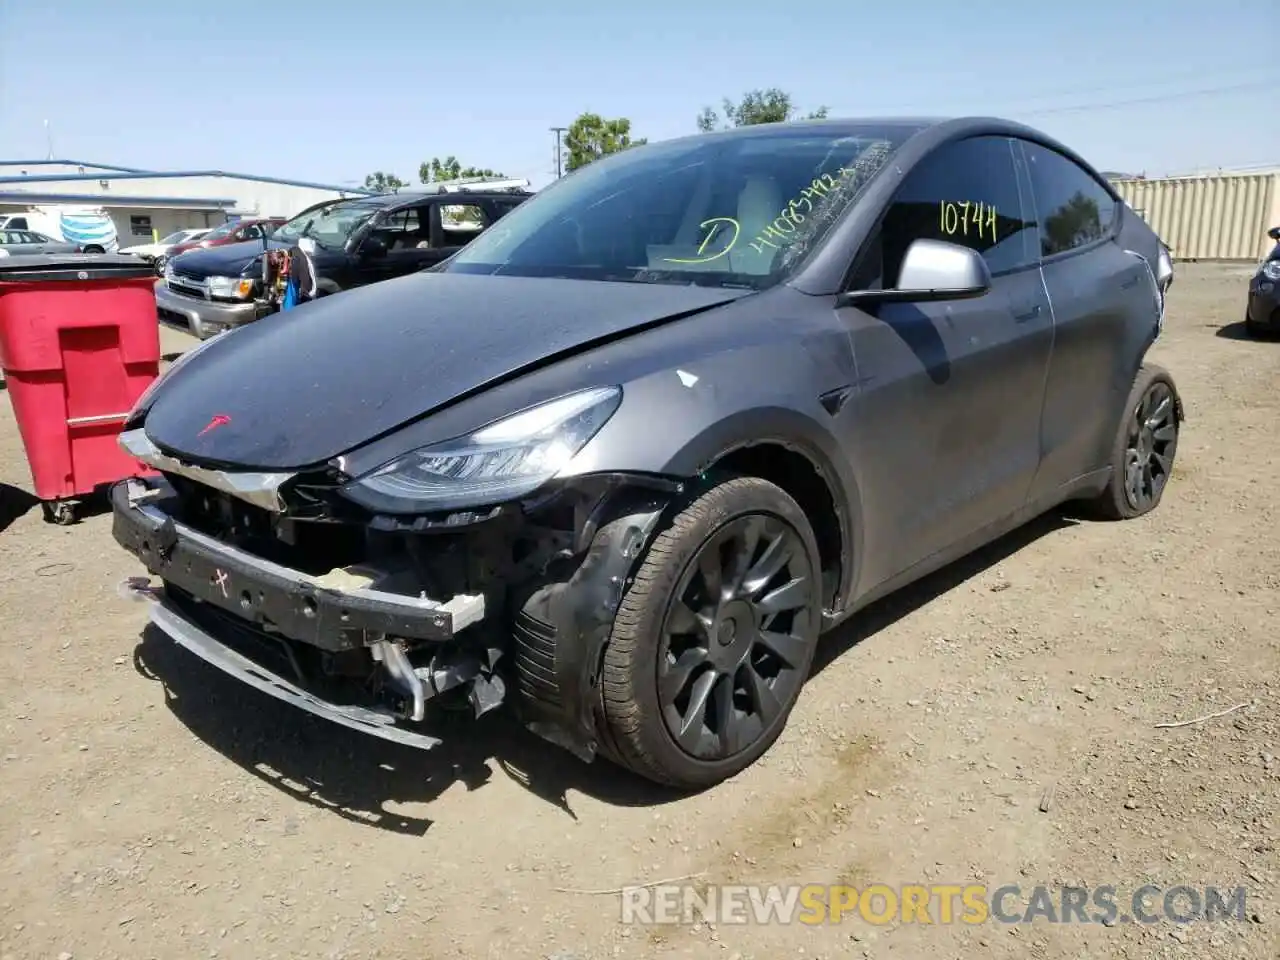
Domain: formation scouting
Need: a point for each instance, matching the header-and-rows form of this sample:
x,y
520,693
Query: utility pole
x,y
48,136
559,132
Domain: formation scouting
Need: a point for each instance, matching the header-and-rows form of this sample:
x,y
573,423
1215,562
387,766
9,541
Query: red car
x,y
236,231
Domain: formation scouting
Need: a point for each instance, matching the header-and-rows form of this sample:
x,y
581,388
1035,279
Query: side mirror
x,y
1274,233
373,248
932,270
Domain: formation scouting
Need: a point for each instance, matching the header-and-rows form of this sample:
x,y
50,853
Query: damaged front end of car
x,y
433,582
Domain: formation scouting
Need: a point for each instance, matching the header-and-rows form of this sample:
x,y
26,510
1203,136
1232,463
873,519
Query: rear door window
x,y
403,230
1073,209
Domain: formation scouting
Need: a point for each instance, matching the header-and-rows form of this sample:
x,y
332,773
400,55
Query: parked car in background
x,y
89,228
235,231
622,459
1262,315
18,242
355,242
150,252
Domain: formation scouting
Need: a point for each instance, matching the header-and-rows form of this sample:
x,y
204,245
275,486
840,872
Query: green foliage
x,y
383,182
591,137
1076,222
756,106
435,169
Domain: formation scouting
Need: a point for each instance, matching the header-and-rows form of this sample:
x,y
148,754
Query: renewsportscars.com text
x,y
881,904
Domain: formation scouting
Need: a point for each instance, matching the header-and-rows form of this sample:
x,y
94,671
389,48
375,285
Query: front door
x,y
944,432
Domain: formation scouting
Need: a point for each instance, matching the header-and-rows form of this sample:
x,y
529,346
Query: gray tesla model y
x,y
620,461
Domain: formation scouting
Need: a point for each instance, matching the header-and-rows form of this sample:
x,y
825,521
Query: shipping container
x,y
1222,216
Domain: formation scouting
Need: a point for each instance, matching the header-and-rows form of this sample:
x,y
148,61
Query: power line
x,y
1161,98
559,134
1112,104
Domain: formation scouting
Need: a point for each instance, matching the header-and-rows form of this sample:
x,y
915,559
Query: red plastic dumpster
x,y
79,343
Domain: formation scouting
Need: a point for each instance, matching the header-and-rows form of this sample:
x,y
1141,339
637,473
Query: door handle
x,y
1029,315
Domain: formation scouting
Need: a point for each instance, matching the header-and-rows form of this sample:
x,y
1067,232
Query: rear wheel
x,y
714,638
94,248
1145,446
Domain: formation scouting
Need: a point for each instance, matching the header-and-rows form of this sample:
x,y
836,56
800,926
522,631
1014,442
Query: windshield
x,y
724,211
221,231
176,237
328,226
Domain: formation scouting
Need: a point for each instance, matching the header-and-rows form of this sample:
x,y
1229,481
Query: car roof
x,y
418,196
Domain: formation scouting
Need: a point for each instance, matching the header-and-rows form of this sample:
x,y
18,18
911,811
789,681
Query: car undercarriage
x,y
374,621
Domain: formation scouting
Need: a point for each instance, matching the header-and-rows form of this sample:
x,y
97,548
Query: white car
x,y
150,251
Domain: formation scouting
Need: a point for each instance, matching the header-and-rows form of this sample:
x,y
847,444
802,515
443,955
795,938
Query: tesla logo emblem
x,y
219,420
221,581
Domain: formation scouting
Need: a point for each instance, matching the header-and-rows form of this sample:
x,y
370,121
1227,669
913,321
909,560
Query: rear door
x,y
1102,307
945,433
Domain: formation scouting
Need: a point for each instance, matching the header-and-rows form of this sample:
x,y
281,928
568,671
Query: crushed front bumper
x,y
375,722
316,611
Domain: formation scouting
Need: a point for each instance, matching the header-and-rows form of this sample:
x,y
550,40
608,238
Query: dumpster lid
x,y
72,266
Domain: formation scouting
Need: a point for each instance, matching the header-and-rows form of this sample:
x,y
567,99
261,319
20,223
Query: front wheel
x,y
1145,446
714,638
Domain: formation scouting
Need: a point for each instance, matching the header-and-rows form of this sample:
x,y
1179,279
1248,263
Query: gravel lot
x,y
153,808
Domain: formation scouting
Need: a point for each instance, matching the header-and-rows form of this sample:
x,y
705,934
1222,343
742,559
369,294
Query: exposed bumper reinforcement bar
x,y
302,607
373,722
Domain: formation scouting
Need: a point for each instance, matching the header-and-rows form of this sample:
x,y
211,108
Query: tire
x,y
94,248
639,722
1154,449
60,512
1253,328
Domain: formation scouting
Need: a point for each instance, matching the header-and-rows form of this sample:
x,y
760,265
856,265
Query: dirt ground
x,y
154,808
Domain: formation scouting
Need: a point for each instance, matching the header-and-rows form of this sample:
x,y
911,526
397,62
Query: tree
x,y
757,106
383,182
435,170
591,137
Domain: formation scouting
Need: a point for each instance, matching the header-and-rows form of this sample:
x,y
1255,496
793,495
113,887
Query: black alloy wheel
x,y
714,637
1153,436
736,641
1144,448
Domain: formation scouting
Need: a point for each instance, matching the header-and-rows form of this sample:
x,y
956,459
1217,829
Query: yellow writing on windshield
x,y
967,218
719,227
796,211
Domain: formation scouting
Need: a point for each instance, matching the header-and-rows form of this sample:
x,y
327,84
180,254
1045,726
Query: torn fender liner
x,y
561,629
373,722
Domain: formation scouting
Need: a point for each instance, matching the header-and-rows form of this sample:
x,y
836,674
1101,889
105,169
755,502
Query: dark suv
x,y
356,241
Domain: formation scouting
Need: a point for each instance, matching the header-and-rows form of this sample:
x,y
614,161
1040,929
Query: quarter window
x,y
964,193
460,222
1074,209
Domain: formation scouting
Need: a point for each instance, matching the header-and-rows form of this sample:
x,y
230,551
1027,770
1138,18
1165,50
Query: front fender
x,y
680,435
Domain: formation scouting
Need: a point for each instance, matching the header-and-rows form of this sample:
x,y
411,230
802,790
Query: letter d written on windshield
x,y
724,230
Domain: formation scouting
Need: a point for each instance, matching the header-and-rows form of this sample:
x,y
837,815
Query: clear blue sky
x,y
294,90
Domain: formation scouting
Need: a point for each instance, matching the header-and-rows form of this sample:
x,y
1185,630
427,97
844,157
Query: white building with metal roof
x,y
145,204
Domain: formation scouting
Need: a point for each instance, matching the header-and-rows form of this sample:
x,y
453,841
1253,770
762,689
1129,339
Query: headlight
x,y
238,288
1271,269
502,461
168,269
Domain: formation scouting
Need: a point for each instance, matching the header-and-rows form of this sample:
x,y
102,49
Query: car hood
x,y
228,260
300,387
